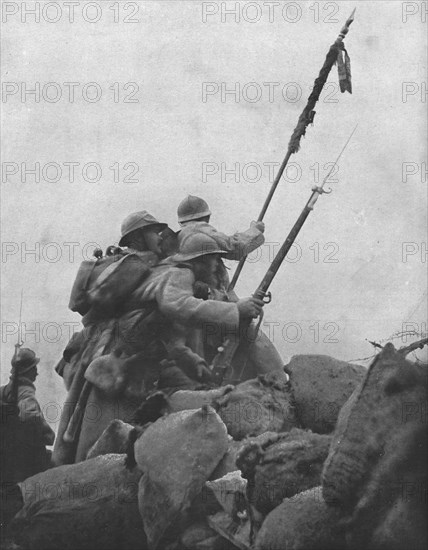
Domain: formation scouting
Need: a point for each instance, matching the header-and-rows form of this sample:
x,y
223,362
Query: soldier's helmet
x,y
195,245
138,220
24,360
192,208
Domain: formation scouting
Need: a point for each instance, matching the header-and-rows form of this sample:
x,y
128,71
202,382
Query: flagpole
x,y
307,116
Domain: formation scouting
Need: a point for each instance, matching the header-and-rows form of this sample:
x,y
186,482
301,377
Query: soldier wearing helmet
x,y
25,429
141,231
114,326
171,285
194,215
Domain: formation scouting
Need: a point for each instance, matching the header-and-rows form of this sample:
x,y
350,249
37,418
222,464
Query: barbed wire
x,y
395,336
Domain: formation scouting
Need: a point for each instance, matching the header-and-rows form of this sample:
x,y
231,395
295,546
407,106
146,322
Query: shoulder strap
x,y
111,269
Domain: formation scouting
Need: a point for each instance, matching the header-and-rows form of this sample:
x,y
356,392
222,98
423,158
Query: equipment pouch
x,y
108,373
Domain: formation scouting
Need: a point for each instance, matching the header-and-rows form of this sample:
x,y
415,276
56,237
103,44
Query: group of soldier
x,y
155,310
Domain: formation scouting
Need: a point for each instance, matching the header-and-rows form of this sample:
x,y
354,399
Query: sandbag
x,y
194,399
230,492
303,522
228,462
283,467
114,439
321,385
258,405
177,454
90,506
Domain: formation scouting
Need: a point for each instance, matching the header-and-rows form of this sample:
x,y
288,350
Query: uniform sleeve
x,y
175,299
29,411
239,244
179,350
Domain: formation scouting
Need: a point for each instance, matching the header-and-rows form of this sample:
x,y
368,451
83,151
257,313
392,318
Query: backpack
x,y
106,282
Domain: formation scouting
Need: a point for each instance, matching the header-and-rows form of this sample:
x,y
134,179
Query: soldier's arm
x,y
175,299
183,355
239,244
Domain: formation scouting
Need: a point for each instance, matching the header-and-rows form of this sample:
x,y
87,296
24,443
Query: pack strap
x,y
111,269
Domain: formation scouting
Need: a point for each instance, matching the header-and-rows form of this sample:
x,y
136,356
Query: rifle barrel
x,y
282,252
19,343
288,243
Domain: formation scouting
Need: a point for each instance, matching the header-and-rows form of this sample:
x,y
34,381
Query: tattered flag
x,y
344,69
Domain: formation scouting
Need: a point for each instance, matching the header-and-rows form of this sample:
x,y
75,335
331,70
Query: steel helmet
x,y
195,245
192,208
24,359
138,220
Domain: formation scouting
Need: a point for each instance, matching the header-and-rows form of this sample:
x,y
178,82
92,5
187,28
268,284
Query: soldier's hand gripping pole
x,y
231,348
305,119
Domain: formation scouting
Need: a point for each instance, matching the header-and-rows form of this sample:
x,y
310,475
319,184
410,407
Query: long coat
x,y
107,327
171,287
207,322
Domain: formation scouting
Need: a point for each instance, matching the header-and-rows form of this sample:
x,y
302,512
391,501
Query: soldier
x,y
116,329
24,429
194,215
172,284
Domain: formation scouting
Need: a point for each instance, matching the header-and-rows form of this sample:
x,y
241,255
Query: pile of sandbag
x,y
376,470
236,453
180,451
284,465
370,494
92,505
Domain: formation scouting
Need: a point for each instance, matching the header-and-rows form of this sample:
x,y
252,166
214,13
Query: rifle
x,y
307,116
14,381
69,426
231,348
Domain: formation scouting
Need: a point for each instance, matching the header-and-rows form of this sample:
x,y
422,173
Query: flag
x,y
344,69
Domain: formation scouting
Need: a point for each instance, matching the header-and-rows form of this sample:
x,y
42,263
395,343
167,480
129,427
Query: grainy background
x,y
359,270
